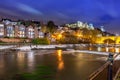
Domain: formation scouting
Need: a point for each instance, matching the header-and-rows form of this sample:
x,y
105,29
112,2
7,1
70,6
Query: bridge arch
x,y
101,40
109,41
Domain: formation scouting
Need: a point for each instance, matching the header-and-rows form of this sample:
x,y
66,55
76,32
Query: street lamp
x,y
110,58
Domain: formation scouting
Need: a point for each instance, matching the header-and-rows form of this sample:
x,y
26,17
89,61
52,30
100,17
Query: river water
x,y
67,66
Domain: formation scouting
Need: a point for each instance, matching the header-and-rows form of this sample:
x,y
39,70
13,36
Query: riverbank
x,y
66,47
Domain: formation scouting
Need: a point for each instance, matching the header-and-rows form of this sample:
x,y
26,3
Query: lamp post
x,y
110,58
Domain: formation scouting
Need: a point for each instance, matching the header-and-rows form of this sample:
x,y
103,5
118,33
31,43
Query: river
x,y
67,66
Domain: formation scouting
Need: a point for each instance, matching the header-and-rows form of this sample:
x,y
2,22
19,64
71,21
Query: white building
x,y
10,30
102,29
7,22
81,25
41,34
21,31
91,26
2,30
30,32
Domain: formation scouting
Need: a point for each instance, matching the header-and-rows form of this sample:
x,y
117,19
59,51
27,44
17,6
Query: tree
x,y
38,41
94,35
68,38
86,33
51,26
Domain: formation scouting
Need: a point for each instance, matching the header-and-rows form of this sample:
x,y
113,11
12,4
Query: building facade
x,y
12,29
2,30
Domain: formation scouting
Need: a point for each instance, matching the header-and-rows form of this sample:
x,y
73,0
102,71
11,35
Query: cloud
x,y
8,12
108,8
62,15
29,9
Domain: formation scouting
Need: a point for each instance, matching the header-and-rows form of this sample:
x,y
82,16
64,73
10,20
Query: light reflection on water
x,y
31,60
72,66
60,60
2,65
105,49
20,60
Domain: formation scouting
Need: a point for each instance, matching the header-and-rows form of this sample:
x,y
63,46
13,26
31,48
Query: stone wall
x,y
13,40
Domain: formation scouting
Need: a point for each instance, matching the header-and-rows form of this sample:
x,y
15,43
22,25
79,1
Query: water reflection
x,y
117,50
60,60
20,59
108,49
31,60
72,66
99,49
90,48
2,64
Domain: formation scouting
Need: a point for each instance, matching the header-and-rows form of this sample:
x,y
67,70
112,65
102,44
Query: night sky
x,y
99,12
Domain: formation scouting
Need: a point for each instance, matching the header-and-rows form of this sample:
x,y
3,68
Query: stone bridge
x,y
101,40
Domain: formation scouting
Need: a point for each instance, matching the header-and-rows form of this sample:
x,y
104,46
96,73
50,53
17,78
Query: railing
x,y
98,74
98,71
117,75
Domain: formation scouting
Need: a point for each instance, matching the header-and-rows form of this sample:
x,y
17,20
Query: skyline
x,y
99,12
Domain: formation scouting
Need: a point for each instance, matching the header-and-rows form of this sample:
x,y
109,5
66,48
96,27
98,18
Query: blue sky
x,y
99,12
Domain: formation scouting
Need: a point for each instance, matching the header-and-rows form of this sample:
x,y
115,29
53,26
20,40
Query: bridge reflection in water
x,y
109,49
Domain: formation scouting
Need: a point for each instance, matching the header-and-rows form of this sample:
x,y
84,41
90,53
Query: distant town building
x,y
2,30
41,34
80,25
30,32
33,29
102,29
10,30
91,26
21,31
7,21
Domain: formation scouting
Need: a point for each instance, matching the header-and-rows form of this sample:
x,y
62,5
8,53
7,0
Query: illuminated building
x,y
2,30
30,32
41,34
81,25
10,31
21,31
102,29
91,26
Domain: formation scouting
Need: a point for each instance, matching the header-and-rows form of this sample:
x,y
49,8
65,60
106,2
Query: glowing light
x,y
99,49
107,49
59,36
79,35
117,50
60,60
